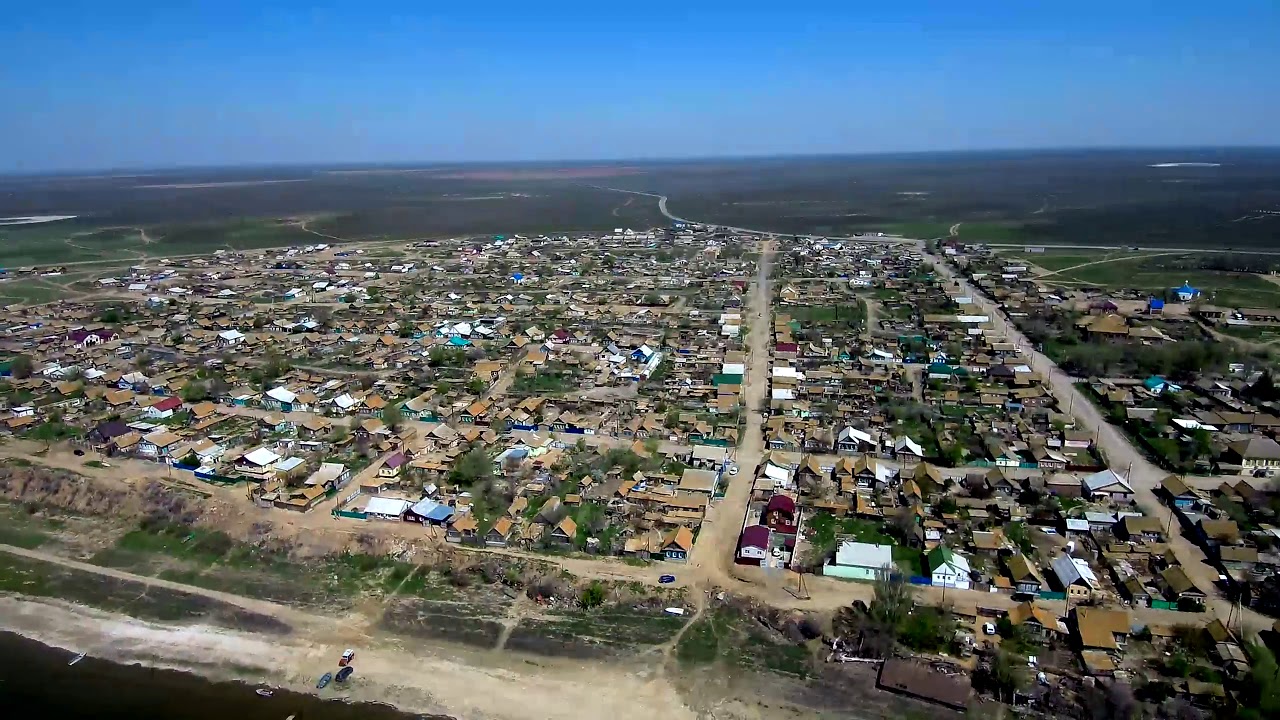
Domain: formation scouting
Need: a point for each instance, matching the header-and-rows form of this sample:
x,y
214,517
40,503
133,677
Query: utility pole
x,y
802,591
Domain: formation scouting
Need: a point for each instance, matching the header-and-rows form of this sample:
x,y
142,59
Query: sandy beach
x,y
464,683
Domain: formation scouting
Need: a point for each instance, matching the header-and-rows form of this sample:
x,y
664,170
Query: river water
x,y
37,683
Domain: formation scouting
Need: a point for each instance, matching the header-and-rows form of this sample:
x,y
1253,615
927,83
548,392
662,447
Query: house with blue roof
x,y
428,511
1157,385
1186,293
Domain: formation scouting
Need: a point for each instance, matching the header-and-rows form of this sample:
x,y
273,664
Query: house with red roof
x,y
165,408
780,515
753,546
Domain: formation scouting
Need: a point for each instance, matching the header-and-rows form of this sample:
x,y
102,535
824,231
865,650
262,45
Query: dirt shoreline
x,y
431,678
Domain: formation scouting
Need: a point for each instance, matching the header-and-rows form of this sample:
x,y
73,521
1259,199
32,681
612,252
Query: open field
x,y
33,290
1100,198
42,579
1219,288
1157,273
1056,260
214,561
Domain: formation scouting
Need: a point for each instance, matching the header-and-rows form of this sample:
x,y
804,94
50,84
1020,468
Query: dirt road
x,y
713,553
1142,475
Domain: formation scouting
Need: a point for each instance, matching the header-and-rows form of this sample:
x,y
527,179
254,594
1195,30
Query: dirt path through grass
x,y
1104,261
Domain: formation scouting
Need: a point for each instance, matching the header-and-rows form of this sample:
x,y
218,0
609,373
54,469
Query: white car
x,y
733,470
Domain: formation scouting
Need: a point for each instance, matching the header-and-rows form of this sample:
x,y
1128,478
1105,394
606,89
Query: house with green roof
x,y
947,568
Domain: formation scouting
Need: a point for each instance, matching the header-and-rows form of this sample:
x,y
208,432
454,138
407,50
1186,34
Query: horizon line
x,y
140,170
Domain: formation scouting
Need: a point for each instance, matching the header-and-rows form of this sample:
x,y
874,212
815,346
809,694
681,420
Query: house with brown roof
x,y
500,534
1098,629
565,532
462,529
157,444
1024,575
1177,493
1256,453
475,413
1037,620
677,544
1211,533
1109,327
920,681
1178,587
1141,528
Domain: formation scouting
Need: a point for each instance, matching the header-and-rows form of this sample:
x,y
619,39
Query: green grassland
x,y
214,561
29,290
1150,273
995,232
920,230
37,578
1219,288
74,241
727,635
1054,261
62,242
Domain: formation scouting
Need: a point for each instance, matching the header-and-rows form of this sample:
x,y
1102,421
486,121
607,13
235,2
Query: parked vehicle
x,y
324,680
667,579
347,656
344,673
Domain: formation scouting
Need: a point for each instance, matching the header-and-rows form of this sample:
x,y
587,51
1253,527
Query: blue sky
x,y
127,84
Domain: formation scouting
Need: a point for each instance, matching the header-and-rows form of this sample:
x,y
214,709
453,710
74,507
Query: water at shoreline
x,y
36,682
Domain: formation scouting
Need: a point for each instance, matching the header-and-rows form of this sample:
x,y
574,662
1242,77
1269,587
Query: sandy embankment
x,y
467,684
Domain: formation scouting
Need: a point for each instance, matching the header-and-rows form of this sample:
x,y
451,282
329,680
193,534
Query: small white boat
x,y
76,659
264,692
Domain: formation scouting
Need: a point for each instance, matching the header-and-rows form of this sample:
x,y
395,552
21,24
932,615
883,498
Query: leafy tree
x,y
1007,674
927,629
471,468
1260,691
392,416
195,392
672,419
953,454
475,386
21,366
893,600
